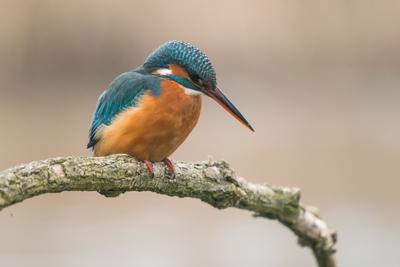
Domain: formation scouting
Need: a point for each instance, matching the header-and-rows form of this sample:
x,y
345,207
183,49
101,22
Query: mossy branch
x,y
213,182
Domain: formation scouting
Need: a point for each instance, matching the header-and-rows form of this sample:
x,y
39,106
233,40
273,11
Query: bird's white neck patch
x,y
163,71
190,91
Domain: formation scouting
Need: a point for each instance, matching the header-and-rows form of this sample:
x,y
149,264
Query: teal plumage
x,y
186,55
123,92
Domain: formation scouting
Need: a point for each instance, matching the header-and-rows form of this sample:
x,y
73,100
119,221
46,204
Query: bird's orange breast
x,y
153,129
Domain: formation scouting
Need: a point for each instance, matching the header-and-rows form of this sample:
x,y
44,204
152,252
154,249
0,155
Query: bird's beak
x,y
221,99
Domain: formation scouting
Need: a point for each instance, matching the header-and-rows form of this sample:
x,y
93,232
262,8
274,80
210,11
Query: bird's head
x,y
187,65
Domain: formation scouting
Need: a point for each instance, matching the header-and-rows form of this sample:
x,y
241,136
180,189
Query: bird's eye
x,y
195,78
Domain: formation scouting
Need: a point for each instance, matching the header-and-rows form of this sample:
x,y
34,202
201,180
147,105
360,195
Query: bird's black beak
x,y
221,99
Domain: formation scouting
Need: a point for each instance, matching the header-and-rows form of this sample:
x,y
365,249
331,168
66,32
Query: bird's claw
x,y
170,166
149,166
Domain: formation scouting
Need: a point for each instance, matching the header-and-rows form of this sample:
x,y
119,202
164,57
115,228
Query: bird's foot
x,y
149,166
170,166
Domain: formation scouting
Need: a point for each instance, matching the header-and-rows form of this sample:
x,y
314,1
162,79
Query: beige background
x,y
319,81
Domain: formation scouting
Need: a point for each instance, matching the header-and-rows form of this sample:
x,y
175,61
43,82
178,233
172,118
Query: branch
x,y
212,182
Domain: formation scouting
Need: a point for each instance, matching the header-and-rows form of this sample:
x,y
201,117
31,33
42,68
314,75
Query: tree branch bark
x,y
213,182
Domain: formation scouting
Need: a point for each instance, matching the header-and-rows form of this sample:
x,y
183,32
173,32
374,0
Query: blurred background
x,y
319,81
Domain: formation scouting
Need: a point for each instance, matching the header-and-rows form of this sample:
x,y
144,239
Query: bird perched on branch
x,y
149,111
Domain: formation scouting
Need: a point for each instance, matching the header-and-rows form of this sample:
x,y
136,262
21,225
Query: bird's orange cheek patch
x,y
178,71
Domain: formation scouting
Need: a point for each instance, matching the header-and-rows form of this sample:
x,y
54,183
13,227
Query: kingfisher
x,y
149,111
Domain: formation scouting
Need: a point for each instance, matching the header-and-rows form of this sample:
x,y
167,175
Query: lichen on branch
x,y
213,182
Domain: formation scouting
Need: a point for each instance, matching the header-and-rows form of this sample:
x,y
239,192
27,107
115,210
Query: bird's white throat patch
x,y
164,71
190,91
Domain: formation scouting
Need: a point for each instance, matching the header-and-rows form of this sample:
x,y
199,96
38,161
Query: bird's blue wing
x,y
124,92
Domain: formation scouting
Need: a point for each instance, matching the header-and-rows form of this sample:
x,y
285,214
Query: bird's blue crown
x,y
186,55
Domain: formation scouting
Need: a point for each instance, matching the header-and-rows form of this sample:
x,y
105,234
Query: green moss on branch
x,y
213,182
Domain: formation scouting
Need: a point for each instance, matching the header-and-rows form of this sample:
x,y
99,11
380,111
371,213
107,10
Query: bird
x,y
149,111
